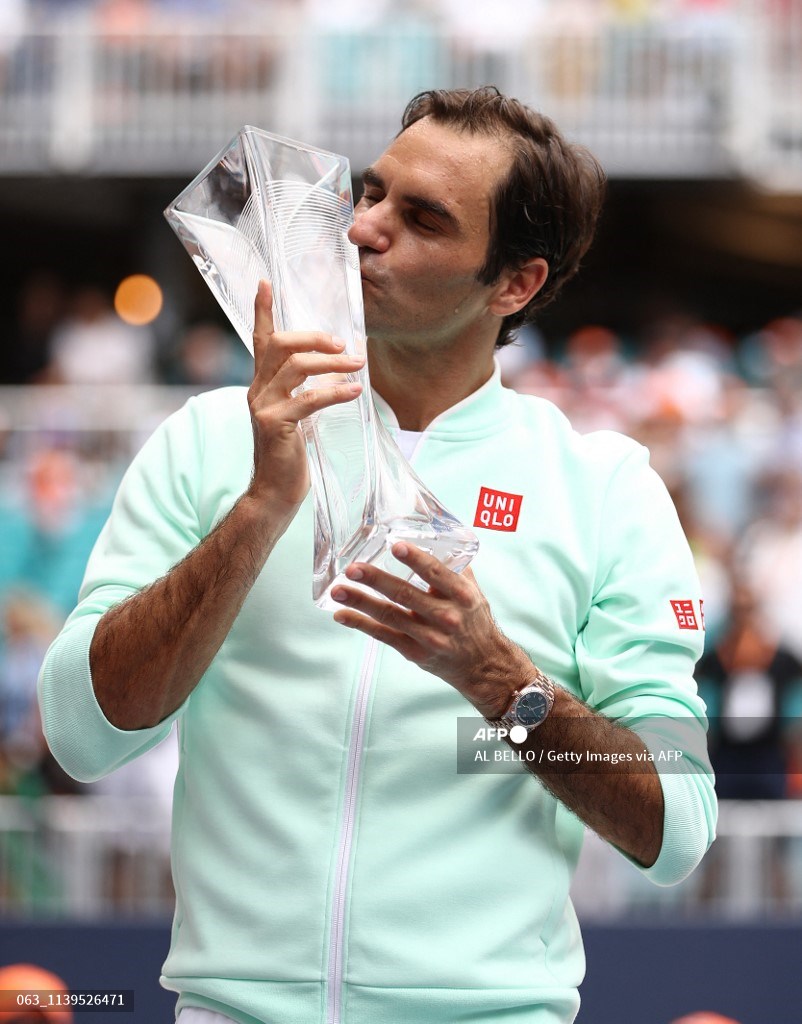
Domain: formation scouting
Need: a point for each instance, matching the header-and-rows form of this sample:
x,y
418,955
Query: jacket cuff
x,y
82,739
690,811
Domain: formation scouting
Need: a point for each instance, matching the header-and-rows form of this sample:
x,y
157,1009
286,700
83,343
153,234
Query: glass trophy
x,y
269,207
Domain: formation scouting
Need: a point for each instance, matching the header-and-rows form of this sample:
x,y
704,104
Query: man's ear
x,y
517,287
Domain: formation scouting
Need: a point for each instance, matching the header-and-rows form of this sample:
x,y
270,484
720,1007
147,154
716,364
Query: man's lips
x,y
367,277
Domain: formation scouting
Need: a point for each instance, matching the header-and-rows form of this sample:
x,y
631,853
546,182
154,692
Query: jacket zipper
x,y
336,951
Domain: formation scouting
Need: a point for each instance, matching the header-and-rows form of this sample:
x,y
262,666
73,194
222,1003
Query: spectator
x,y
93,346
46,534
28,627
723,456
750,683
40,307
207,356
770,557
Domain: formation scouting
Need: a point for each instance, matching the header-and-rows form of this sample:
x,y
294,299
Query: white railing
x,y
753,871
92,856
84,857
75,409
104,426
659,98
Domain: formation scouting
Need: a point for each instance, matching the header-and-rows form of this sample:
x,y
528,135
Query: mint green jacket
x,y
330,863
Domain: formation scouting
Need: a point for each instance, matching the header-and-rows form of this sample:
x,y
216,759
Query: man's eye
x,y
368,199
425,225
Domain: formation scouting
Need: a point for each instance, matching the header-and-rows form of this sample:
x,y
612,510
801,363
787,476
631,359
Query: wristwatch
x,y
530,706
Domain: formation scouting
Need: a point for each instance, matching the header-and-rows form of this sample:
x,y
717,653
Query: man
x,y
330,863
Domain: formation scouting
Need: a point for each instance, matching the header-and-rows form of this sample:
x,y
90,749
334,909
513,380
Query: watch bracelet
x,y
539,679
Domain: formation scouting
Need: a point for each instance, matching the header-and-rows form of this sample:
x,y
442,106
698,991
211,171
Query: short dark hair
x,y
549,203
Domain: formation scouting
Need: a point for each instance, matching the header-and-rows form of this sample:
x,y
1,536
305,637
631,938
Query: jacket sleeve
x,y
637,651
153,524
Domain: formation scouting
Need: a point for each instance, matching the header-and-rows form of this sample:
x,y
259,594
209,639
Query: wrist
x,y
493,696
267,511
529,708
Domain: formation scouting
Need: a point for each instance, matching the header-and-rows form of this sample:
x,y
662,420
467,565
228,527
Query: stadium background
x,y
684,330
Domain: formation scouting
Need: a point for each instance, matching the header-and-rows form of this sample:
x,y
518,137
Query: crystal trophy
x,y
269,207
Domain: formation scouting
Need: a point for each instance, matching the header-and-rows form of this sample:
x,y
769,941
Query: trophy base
x,y
454,547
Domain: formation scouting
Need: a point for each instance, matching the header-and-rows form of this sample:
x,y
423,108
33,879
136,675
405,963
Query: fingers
x,y
265,334
284,360
402,642
277,417
280,351
273,401
441,579
263,313
426,627
299,366
314,400
277,347
439,608
388,622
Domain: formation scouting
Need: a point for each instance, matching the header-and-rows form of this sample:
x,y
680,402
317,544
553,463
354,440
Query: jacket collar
x,y
485,411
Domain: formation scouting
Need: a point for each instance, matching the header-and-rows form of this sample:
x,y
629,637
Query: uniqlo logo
x,y
497,510
686,616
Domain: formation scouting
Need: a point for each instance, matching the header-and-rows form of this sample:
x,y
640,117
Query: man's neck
x,y
419,386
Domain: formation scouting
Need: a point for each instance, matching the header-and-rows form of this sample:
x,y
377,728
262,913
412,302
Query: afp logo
x,y
497,510
517,733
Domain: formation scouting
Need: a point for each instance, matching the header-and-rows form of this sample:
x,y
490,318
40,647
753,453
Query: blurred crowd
x,y
721,415
137,15
482,31
58,476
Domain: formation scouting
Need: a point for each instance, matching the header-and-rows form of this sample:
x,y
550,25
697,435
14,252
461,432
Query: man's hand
x,y
282,362
448,630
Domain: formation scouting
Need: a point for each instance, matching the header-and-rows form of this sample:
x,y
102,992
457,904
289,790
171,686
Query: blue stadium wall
x,y
636,975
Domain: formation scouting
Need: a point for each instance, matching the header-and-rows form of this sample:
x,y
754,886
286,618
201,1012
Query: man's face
x,y
423,228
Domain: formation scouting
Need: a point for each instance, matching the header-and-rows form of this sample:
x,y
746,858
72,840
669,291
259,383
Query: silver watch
x,y
530,706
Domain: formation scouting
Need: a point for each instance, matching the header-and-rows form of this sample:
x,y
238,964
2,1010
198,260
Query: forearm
x,y
620,797
618,794
149,652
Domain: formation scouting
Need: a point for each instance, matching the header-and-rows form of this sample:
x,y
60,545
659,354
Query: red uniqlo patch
x,y
497,510
686,616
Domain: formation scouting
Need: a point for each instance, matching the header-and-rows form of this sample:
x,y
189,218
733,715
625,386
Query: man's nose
x,y
370,229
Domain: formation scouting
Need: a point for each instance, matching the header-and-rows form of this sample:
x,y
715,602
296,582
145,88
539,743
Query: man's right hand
x,y
282,362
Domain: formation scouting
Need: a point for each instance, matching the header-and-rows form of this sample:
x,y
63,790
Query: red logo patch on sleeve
x,y
497,510
686,616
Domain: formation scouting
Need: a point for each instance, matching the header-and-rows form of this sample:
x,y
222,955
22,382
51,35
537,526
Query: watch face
x,y
532,708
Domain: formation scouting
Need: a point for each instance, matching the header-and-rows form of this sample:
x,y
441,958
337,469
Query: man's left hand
x,y
448,630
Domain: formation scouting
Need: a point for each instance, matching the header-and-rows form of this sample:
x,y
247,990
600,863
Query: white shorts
x,y
193,1015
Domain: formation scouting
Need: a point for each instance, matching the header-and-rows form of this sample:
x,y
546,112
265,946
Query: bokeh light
x,y
138,299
